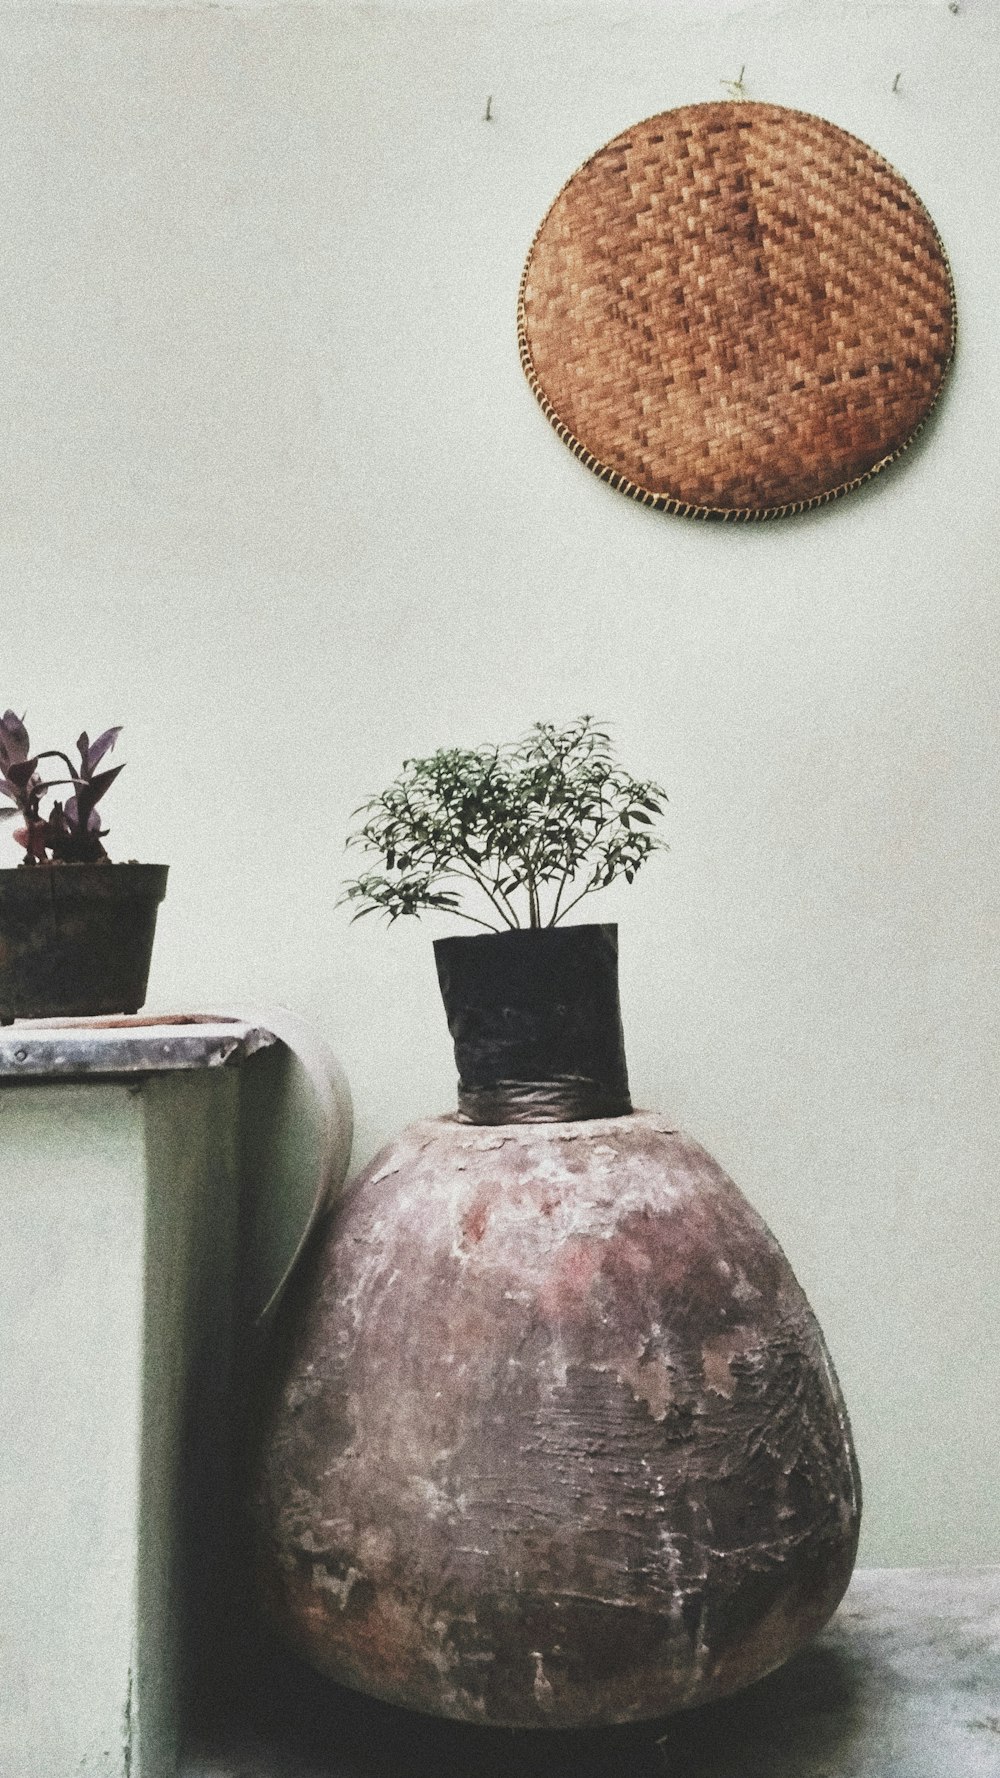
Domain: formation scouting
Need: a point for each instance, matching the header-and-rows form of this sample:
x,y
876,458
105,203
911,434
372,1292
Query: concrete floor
x,y
905,1683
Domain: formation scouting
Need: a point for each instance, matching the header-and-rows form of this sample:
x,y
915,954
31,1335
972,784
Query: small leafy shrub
x,y
71,832
533,827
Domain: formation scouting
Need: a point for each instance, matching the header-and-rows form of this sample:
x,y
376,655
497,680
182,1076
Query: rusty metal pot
x,y
76,939
553,1437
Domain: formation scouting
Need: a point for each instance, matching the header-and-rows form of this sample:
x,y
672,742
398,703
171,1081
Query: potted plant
x,y
551,1437
76,931
512,839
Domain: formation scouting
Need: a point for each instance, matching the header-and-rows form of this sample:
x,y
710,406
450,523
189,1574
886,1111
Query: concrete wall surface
x,y
276,497
118,1206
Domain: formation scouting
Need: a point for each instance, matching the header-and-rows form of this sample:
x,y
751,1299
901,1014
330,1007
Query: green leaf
x,y
554,808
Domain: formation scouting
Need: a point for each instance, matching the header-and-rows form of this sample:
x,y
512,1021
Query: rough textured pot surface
x,y
76,939
536,1024
554,1437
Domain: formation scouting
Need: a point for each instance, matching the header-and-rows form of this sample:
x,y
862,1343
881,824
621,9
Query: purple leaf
x,y
102,782
20,772
14,743
93,752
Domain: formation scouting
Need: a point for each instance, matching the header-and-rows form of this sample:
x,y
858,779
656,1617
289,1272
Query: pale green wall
x,y
275,496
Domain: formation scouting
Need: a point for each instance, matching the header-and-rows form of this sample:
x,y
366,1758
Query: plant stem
x,y
53,753
565,880
508,904
456,914
471,876
570,905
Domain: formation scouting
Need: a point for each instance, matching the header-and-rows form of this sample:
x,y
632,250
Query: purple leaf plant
x,y
71,832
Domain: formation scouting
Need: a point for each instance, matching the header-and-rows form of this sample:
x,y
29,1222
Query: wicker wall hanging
x,y
738,311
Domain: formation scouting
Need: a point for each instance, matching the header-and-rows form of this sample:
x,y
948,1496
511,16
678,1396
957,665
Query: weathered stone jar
x,y
556,1439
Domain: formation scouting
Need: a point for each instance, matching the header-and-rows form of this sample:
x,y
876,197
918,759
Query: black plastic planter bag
x,y
536,1025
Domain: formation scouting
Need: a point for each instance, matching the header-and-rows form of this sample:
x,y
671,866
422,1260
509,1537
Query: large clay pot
x,y
555,1438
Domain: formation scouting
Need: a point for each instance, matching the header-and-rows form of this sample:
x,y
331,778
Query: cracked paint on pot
x,y
554,1437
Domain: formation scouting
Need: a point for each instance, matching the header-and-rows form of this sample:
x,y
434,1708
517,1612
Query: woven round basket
x,y
737,311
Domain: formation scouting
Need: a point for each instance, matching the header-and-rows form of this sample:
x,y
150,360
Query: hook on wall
x,y
895,84
488,113
734,88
